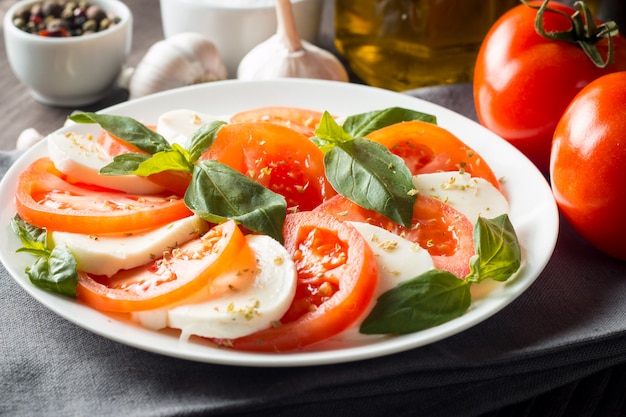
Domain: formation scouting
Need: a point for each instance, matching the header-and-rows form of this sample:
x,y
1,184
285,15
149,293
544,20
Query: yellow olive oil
x,y
404,44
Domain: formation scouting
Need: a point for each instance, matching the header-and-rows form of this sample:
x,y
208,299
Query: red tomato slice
x,y
304,121
337,276
437,227
174,181
427,148
277,157
46,198
173,277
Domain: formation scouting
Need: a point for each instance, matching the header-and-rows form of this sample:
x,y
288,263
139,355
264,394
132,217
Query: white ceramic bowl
x,y
69,71
236,26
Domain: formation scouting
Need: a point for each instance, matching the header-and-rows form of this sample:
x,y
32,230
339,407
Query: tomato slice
x,y
304,121
426,148
277,157
48,199
337,276
174,181
444,232
176,275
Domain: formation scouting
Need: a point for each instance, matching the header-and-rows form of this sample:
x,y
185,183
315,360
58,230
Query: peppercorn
x,y
94,12
63,18
90,25
51,8
19,22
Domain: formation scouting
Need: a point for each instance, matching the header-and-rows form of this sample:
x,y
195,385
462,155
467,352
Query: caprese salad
x,y
269,230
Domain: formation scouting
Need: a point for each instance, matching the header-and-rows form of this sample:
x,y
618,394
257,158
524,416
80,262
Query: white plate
x,y
533,214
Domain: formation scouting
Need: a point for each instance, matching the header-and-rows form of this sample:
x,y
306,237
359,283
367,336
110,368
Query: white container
x,y
236,26
69,71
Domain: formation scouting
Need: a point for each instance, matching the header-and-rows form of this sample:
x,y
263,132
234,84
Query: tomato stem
x,y
584,31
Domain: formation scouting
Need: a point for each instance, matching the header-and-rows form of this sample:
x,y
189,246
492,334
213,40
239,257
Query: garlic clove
x,y
271,59
27,138
286,55
181,60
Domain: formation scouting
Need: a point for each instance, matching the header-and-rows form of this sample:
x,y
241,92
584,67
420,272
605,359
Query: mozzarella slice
x,y
471,196
80,156
177,126
241,312
106,255
398,260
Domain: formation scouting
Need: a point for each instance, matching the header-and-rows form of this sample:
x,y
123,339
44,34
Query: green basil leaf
x,y
124,164
175,159
330,131
202,139
218,192
54,270
498,252
127,129
33,239
425,301
363,124
371,176
56,273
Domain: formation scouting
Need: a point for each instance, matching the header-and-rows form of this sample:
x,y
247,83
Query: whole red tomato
x,y
587,164
523,82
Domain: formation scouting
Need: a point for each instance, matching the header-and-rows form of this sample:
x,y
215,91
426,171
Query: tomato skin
x,y
277,157
445,233
352,274
426,148
48,199
148,287
524,82
304,121
587,164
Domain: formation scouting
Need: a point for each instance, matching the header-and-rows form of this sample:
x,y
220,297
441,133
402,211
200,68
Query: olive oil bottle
x,y
405,44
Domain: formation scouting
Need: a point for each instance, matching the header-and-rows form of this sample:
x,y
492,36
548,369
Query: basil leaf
x,y
54,270
127,129
427,300
124,164
56,273
328,134
361,125
33,238
218,192
175,159
202,139
498,252
372,177
330,131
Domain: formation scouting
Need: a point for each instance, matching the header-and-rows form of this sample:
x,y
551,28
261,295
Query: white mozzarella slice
x,y
177,126
80,156
241,312
106,255
471,196
398,260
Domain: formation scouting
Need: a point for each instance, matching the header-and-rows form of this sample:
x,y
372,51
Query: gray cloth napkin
x,y
570,323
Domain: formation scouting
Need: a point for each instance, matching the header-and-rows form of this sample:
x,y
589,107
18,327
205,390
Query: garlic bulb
x,y
180,60
28,138
286,55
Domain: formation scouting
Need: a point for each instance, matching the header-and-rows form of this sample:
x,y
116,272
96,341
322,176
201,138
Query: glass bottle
x,y
404,44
